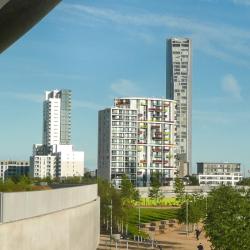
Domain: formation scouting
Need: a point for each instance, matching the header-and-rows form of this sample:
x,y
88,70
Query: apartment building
x,y
214,174
137,138
179,88
57,117
10,168
56,156
43,166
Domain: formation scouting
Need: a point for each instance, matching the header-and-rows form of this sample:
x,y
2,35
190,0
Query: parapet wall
x,y
168,191
65,219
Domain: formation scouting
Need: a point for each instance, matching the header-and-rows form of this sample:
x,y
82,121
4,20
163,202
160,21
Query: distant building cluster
x,y
140,136
56,157
137,137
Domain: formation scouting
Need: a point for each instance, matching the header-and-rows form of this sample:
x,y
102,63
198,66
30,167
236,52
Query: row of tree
x,y
118,202
225,213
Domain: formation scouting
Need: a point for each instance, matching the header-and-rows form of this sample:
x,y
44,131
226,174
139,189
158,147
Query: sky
x,y
102,49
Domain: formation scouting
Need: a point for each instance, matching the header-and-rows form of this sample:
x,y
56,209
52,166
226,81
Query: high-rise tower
x,y
179,88
57,117
137,138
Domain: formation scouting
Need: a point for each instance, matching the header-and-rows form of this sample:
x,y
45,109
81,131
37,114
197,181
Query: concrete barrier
x,y
23,205
168,191
1,209
65,219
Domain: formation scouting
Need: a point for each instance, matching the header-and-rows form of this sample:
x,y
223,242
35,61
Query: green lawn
x,y
149,215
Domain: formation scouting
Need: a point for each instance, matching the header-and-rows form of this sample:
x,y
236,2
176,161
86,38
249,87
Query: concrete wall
x,y
168,191
69,219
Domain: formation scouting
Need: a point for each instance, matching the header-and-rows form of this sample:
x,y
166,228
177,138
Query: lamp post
x,y
206,194
139,222
187,227
139,218
110,222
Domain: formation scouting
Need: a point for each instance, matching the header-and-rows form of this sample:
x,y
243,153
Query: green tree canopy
x,y
228,219
154,191
196,206
244,182
193,180
179,189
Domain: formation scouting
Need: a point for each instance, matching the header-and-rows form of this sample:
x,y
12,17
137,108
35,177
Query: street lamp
x,y
206,194
139,217
139,220
187,227
110,206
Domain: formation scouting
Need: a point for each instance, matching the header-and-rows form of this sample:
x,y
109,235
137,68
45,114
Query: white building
x,y
43,166
137,137
56,157
57,117
215,174
70,161
179,88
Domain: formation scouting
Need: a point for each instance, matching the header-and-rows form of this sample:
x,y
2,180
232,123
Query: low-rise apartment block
x,y
12,168
215,174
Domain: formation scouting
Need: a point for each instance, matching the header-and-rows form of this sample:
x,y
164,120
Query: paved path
x,y
172,239
177,238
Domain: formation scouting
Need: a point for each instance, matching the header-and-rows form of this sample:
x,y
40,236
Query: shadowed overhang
x,y
18,16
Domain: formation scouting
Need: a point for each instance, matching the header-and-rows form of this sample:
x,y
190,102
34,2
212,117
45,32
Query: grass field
x,y
168,202
149,215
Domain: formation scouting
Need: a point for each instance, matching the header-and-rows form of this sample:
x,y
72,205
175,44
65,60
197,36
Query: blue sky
x,y
108,48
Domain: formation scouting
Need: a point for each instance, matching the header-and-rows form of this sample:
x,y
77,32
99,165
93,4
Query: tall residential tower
x,y
57,117
179,88
137,138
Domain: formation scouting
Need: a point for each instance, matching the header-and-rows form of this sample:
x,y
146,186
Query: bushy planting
x,y
163,202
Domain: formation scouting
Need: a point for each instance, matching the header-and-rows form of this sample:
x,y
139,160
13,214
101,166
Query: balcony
x,y
155,126
156,149
157,161
157,137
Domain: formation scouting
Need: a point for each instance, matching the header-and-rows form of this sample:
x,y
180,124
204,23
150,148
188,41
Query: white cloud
x,y
229,45
244,2
210,117
86,104
231,86
37,98
124,87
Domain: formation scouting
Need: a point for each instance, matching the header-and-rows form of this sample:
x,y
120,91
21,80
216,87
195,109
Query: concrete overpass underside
x,y
18,16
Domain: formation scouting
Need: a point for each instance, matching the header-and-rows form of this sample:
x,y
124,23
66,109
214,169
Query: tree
x,y
128,190
228,219
193,181
196,205
244,182
154,191
129,195
179,189
107,193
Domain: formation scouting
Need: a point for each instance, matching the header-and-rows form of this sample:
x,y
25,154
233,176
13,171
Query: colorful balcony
x,y
157,161
156,149
157,137
155,126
